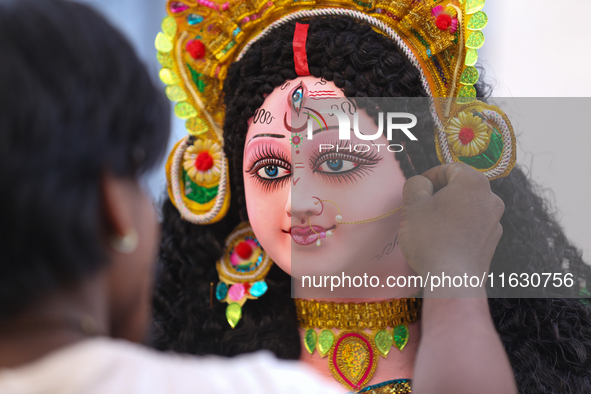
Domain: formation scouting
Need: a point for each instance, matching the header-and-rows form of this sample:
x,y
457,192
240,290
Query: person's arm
x,y
451,224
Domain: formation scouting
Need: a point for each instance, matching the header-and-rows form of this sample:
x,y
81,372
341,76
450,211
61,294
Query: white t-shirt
x,y
108,366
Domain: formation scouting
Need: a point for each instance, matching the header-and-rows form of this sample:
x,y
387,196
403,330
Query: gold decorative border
x,y
375,315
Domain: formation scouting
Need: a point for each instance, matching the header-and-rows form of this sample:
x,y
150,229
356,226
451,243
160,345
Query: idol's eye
x,y
297,99
269,168
272,171
344,167
337,165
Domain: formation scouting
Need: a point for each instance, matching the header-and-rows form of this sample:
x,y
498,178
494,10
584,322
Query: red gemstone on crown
x,y
466,135
196,49
204,161
244,250
443,21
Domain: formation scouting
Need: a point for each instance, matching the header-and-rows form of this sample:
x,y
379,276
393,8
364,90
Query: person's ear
x,y
131,233
118,196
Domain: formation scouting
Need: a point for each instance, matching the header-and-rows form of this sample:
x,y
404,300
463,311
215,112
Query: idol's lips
x,y
303,231
305,235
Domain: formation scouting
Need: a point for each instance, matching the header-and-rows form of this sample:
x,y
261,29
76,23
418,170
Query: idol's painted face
x,y
294,185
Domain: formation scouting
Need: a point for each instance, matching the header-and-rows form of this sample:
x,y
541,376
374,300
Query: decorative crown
x,y
202,38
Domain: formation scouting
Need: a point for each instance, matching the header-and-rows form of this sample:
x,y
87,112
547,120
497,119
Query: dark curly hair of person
x,y
548,340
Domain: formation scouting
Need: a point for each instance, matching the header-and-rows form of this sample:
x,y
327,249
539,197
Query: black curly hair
x,y
548,340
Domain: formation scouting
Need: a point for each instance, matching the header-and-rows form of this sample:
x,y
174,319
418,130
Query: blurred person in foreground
x,y
80,122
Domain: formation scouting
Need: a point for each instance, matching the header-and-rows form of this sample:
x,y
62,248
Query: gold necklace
x,y
353,354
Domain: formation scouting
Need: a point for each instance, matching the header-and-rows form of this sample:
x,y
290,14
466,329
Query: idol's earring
x,y
126,244
242,271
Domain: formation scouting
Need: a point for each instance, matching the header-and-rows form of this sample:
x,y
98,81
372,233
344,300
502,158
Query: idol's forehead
x,y
277,108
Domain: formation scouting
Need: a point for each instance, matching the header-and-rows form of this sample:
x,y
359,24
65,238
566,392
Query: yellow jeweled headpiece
x,y
202,38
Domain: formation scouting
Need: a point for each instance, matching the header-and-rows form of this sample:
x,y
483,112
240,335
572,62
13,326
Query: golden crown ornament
x,y
200,39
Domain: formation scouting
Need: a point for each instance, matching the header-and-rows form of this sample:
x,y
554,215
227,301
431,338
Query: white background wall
x,y
533,49
541,49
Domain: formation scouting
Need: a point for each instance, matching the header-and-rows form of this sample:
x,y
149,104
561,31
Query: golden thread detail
x,y
376,218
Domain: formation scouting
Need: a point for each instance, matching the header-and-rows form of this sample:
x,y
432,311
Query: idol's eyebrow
x,y
266,135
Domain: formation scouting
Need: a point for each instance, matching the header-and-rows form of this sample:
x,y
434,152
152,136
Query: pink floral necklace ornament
x,y
242,271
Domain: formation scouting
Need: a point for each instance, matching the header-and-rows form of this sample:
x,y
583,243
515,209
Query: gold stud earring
x,y
126,244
